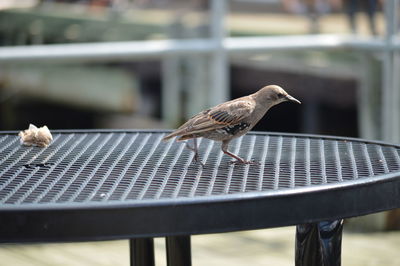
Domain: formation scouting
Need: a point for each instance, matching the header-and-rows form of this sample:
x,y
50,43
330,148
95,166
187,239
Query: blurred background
x,y
154,63
81,64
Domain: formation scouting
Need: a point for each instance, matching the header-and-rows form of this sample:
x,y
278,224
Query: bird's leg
x,y
224,148
195,150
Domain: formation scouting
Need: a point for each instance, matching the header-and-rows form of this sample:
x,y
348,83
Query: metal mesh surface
x,y
124,166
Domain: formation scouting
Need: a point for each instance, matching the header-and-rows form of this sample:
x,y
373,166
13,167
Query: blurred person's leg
x,y
351,7
371,10
313,16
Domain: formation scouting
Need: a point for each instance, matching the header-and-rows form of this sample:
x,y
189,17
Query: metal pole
x,y
197,78
396,98
141,251
369,107
178,251
171,74
388,115
219,87
171,91
155,49
396,77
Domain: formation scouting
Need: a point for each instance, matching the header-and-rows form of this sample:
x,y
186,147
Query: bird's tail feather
x,y
177,133
170,136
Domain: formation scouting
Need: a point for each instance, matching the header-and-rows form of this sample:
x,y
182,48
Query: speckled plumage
x,y
231,119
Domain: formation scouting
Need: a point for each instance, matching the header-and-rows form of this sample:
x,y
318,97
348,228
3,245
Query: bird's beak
x,y
292,99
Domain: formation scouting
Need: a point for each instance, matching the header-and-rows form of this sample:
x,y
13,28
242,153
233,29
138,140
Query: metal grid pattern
x,y
95,166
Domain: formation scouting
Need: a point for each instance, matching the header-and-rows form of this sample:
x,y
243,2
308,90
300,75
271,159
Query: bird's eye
x,y
280,95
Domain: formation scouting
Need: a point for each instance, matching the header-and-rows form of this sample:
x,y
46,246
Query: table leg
x,y
141,251
178,251
319,244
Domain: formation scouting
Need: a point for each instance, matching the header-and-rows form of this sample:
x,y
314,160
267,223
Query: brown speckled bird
x,y
231,119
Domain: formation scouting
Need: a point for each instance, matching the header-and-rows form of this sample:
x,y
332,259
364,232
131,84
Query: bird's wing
x,y
229,113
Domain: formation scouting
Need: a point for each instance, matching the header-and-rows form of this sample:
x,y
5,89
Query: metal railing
x,y
219,47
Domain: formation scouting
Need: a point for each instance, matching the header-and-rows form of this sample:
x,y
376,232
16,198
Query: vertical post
x,y
171,90
368,99
319,244
197,99
219,88
171,71
178,251
396,97
388,101
197,78
142,251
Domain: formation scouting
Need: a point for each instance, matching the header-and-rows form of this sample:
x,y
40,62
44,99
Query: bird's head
x,y
273,95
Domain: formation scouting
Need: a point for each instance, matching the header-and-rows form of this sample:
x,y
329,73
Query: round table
x,y
115,184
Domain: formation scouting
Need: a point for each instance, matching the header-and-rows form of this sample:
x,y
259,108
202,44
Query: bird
x,y
230,120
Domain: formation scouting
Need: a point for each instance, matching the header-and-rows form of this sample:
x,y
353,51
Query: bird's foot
x,y
196,159
238,159
199,162
244,162
196,154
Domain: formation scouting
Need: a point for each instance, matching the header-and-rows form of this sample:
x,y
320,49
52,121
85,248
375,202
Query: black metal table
x,y
98,185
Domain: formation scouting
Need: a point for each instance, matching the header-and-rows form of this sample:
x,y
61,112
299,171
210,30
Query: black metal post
x,y
178,251
319,244
141,251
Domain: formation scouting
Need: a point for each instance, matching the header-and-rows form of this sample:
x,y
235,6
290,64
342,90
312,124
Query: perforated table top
x,y
119,184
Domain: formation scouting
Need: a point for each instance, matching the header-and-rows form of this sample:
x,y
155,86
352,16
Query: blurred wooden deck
x,y
259,247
